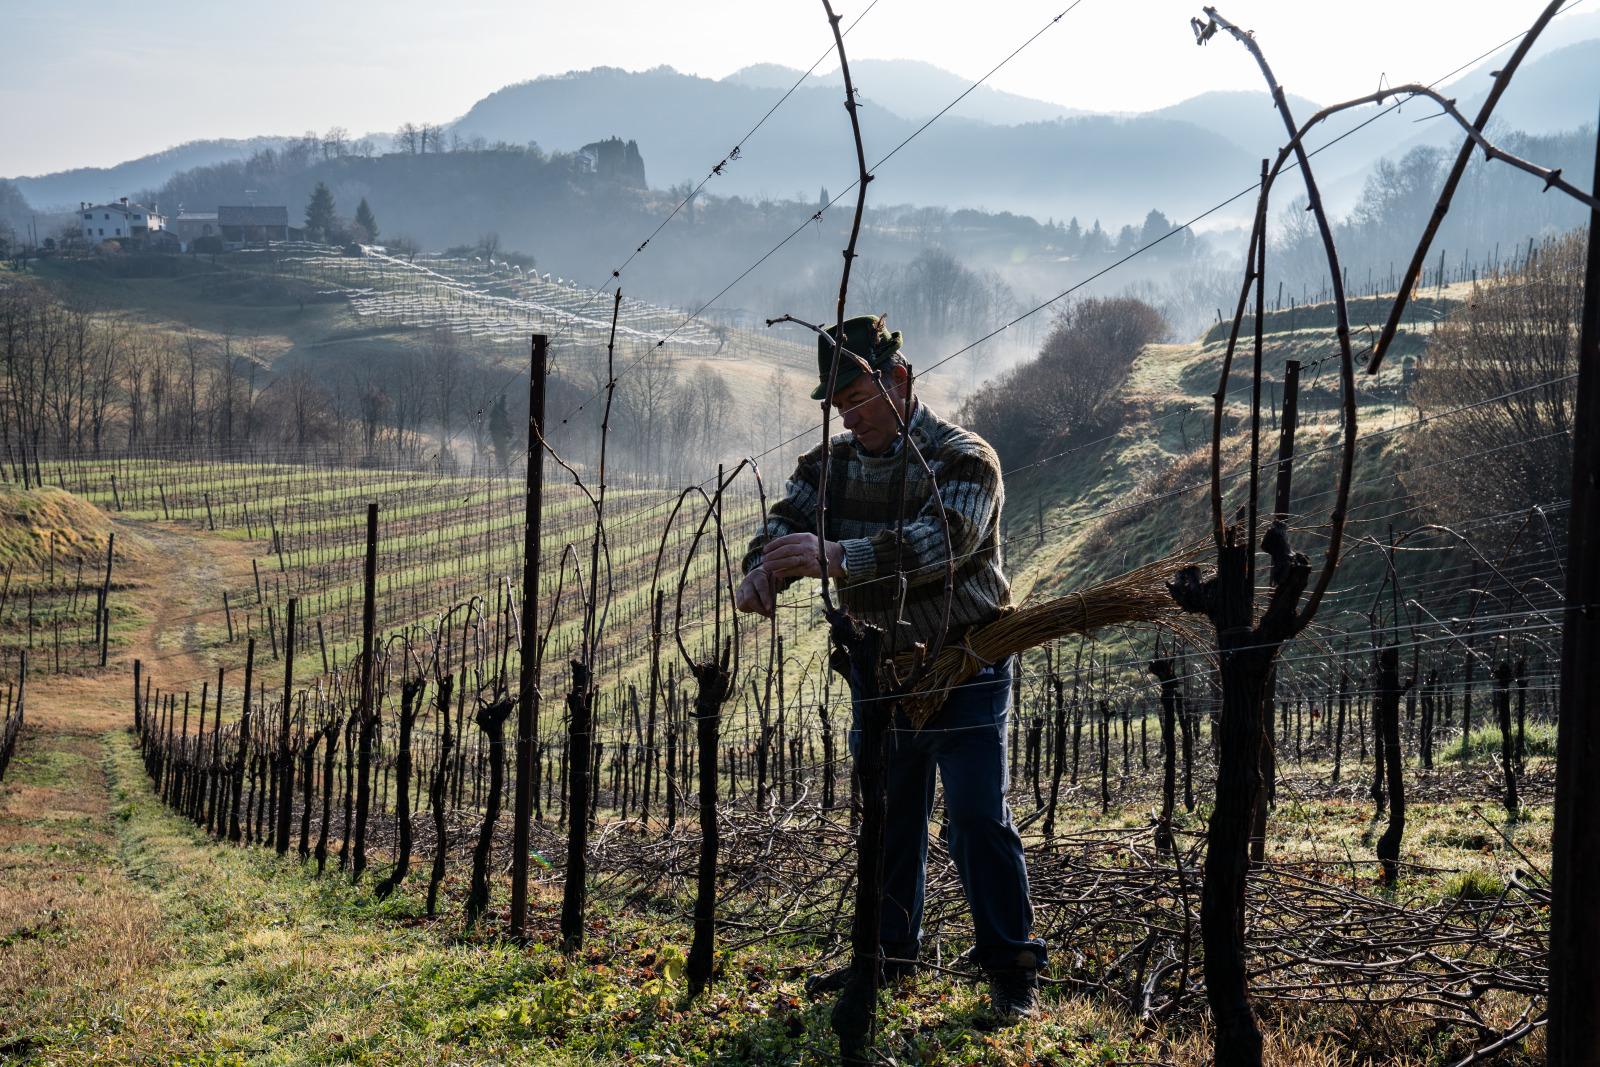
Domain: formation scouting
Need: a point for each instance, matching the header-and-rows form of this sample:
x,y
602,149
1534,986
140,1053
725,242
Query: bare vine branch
x,y
863,178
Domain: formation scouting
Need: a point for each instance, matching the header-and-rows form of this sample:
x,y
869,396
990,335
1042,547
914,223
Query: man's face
x,y
867,413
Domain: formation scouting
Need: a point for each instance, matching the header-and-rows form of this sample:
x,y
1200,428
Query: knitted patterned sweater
x,y
862,497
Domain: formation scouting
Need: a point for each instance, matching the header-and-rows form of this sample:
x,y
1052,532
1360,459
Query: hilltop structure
x,y
613,160
119,221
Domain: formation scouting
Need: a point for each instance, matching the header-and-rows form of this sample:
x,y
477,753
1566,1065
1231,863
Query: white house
x,y
119,221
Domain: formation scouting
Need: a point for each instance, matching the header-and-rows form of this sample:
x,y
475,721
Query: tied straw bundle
x,y
1140,595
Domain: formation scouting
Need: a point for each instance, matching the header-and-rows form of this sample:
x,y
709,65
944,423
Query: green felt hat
x,y
865,336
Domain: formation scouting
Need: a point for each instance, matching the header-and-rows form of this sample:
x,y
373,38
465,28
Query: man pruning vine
x,y
887,550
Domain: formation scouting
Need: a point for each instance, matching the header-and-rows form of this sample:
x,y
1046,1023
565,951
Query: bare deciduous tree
x,y
1503,365
1079,371
445,369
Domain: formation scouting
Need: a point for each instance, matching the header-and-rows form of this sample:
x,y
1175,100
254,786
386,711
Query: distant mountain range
x,y
1554,93
995,150
1088,164
914,90
1001,151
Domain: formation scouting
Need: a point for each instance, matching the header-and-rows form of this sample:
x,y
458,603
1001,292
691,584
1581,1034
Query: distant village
x,y
137,226
126,225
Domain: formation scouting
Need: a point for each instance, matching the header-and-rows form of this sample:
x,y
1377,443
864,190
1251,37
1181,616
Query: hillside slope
x,y
1140,489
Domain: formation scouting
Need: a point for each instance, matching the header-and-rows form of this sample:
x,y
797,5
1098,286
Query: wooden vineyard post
x,y
671,789
1574,1030
579,739
105,601
187,803
244,743
214,823
364,713
650,721
1166,675
285,761
1104,726
1522,712
527,694
1290,420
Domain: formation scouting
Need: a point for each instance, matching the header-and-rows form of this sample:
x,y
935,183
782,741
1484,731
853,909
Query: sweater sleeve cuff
x,y
861,562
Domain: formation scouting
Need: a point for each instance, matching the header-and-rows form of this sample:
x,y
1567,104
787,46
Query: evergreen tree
x,y
1096,241
500,432
1156,226
320,219
366,221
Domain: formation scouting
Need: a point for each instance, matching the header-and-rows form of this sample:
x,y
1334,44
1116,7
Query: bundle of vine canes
x,y
1137,596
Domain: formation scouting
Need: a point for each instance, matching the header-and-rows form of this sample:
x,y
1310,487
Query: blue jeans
x,y
966,742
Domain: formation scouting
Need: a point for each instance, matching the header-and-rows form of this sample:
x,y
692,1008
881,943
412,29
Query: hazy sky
x,y
91,82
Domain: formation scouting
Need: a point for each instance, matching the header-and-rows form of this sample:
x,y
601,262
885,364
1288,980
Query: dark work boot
x,y
1013,994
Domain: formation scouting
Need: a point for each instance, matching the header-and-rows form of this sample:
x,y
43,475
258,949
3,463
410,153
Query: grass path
x,y
78,931
125,936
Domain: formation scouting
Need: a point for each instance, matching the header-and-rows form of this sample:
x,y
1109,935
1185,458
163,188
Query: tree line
x,y
1492,229
78,381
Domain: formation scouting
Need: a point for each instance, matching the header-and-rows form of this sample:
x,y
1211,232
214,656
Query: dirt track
x,y
177,576
76,927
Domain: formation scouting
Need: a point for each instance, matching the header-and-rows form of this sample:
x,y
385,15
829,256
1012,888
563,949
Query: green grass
x,y
1475,884
1484,744
273,966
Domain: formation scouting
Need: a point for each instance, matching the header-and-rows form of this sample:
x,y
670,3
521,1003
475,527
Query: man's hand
x,y
758,593
796,556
